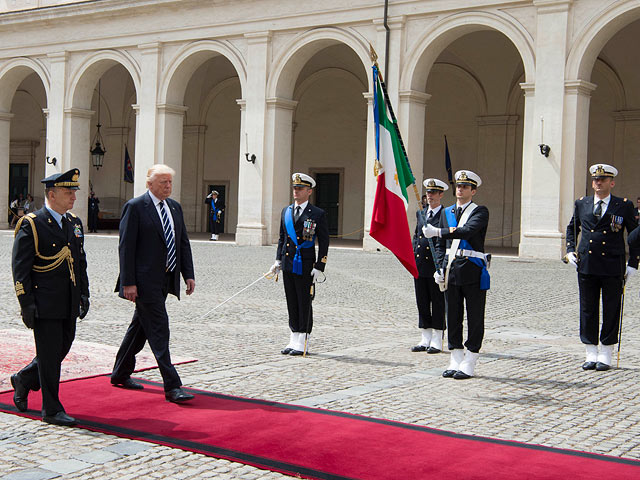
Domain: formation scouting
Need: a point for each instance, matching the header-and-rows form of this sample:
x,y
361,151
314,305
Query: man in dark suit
x,y
216,212
50,274
300,225
154,251
429,297
600,262
465,274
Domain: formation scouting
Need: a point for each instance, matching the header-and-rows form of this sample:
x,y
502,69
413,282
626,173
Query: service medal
x,y
77,231
616,223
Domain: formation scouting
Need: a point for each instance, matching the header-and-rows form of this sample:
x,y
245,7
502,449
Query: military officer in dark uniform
x,y
600,261
216,212
429,297
465,272
94,210
50,275
301,224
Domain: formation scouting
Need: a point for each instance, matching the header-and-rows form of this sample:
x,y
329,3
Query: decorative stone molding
x,y
6,116
626,115
579,87
284,103
79,113
413,96
170,109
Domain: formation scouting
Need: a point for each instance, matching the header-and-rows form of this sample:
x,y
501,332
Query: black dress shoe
x,y
602,367
20,393
419,348
61,419
286,351
449,373
589,366
295,353
129,384
178,395
433,350
460,375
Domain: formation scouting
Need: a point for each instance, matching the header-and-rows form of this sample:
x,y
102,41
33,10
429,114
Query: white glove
x,y
438,277
430,231
572,258
315,273
276,267
630,272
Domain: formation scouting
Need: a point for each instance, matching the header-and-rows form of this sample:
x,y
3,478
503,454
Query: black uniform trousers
x,y
214,226
297,289
475,299
93,220
150,322
53,338
431,303
590,287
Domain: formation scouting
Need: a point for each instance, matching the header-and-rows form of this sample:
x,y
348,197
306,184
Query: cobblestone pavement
x,y
529,386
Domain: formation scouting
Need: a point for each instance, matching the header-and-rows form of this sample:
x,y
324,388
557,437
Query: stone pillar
x,y
146,115
55,114
542,222
77,145
193,157
170,120
254,179
5,143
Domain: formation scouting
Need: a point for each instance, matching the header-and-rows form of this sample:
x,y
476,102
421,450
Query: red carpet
x,y
85,359
315,443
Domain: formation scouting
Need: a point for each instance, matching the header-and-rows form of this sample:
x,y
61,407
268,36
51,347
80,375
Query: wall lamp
x,y
53,161
251,158
544,148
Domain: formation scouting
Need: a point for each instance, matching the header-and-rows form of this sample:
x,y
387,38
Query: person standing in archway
x,y
216,212
94,210
600,261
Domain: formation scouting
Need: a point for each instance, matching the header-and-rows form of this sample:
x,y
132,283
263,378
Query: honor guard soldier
x,y
301,224
464,272
216,212
429,297
600,261
50,275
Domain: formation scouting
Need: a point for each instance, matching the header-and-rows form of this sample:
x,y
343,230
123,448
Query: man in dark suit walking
x,y
154,251
300,225
430,299
50,275
600,262
464,227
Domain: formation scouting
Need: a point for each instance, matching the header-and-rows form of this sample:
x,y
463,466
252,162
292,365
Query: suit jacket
x,y
463,271
143,249
287,249
421,249
602,249
53,291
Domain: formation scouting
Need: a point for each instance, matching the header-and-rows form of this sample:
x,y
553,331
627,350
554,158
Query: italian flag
x,y
389,224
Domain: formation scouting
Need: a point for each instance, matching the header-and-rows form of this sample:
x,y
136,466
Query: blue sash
x,y
214,210
297,259
485,279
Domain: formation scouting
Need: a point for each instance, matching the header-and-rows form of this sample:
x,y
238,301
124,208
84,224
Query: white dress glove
x,y
438,277
572,258
276,267
630,272
315,273
430,231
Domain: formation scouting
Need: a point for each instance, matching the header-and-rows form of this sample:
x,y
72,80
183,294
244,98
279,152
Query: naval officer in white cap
x,y
600,260
463,226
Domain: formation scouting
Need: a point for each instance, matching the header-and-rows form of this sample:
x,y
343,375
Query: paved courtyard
x,y
529,386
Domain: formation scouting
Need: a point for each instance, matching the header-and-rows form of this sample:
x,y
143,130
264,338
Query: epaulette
x,y
32,215
72,214
580,198
625,199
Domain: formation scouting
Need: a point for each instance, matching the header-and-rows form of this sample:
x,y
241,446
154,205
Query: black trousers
x,y
590,287
93,221
430,302
150,322
215,227
475,299
297,289
53,339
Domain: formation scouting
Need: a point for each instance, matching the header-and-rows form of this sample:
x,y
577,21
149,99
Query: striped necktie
x,y
168,237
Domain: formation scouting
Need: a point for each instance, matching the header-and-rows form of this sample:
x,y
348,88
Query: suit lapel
x,y
152,211
54,228
177,223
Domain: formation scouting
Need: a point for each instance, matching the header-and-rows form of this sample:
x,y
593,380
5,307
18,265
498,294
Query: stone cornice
x,y
413,96
579,87
6,116
626,115
78,113
552,6
170,109
284,103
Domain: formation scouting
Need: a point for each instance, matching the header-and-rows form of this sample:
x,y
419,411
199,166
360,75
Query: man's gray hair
x,y
159,169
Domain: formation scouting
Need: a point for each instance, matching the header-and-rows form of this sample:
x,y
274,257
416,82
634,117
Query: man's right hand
x,y
276,267
438,277
29,315
572,258
130,292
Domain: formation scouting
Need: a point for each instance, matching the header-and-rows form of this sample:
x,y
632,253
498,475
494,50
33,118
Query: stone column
x,y
55,114
147,114
542,222
193,171
77,146
170,120
254,179
5,147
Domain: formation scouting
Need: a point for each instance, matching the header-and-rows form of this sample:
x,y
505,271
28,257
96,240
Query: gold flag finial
x,y
373,55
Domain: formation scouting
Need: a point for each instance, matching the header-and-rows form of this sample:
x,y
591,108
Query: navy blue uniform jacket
x,y
421,249
143,249
287,249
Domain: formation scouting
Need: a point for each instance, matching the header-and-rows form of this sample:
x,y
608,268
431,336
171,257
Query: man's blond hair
x,y
159,169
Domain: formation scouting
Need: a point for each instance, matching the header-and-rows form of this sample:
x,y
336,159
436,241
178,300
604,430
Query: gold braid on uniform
x,y
56,260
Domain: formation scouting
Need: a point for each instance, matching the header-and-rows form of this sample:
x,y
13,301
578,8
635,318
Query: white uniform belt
x,y
461,252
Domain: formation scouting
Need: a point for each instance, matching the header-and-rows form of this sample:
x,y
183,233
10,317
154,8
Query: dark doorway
x,y
222,197
328,198
18,180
